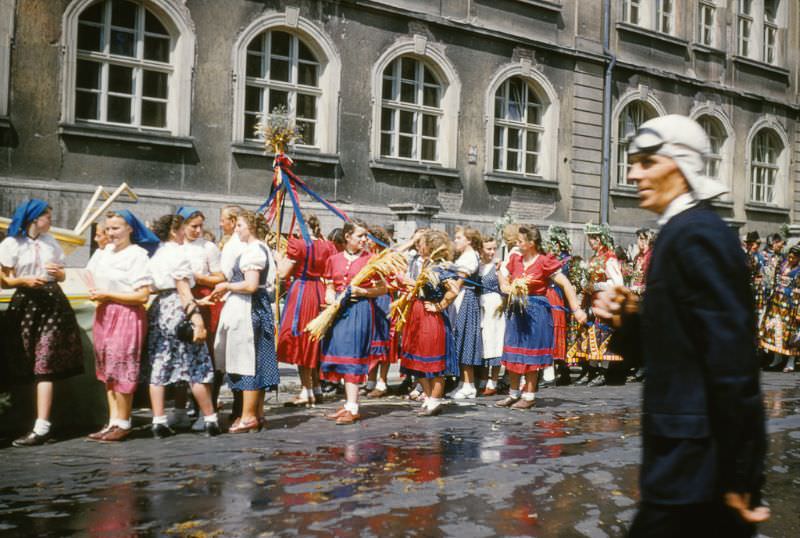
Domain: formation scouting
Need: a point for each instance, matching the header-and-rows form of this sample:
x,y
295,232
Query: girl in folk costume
x,y
121,288
427,345
246,334
306,265
780,328
347,347
560,247
528,345
641,262
493,322
171,359
42,339
466,311
383,352
591,348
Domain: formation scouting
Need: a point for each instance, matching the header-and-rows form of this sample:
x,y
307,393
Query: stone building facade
x,y
413,111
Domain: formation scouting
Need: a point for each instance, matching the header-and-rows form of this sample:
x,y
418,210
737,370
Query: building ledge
x,y
299,155
624,192
705,49
554,7
520,179
411,167
661,37
413,209
764,67
765,208
122,134
722,204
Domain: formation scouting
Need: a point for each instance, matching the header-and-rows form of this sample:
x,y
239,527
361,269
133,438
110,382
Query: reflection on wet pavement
x,y
569,468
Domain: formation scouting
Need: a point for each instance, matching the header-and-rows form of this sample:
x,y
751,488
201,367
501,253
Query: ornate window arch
x,y
522,111
719,129
415,97
767,162
282,59
633,109
128,63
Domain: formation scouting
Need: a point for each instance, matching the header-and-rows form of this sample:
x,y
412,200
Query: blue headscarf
x,y
187,211
26,213
141,234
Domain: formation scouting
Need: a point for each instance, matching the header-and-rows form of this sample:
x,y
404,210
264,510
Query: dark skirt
x,y
42,339
266,375
346,348
467,331
528,343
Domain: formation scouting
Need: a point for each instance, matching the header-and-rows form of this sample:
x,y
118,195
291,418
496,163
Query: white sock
x,y
529,396
433,403
468,387
210,418
160,420
41,427
121,423
790,363
490,384
370,385
522,382
381,386
513,393
352,407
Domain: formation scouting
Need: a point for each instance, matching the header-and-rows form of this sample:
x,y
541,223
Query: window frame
x,y
727,152
645,96
522,125
763,42
175,17
651,14
765,170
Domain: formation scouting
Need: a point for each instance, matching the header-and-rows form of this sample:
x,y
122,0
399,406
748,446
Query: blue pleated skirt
x,y
528,342
347,347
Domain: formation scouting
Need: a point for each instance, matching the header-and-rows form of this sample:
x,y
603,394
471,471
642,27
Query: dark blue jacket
x,y
703,420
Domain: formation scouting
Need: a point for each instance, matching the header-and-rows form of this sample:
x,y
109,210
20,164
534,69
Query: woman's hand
x,y
56,271
330,298
219,290
31,282
431,307
580,316
98,296
199,333
356,291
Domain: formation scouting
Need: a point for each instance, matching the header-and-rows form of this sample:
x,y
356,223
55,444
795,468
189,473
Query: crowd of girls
x,y
174,310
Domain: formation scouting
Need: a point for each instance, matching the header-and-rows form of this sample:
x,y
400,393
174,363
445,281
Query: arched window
x,y
411,111
282,73
717,138
518,129
766,150
632,116
128,63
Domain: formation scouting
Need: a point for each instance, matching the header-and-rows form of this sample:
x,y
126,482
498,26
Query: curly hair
x,y
532,233
166,225
313,224
256,223
473,237
439,246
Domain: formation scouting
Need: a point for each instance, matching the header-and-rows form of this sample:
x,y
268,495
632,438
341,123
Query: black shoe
x,y
598,381
160,431
211,429
32,439
585,379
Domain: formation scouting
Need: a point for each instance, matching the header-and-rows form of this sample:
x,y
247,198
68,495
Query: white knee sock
x,y
529,396
210,418
381,386
352,407
160,420
41,427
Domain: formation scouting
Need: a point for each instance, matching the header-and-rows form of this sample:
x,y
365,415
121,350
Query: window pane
x,y
304,53
430,78
498,136
515,99
279,70
255,67
87,75
307,74
409,68
123,43
386,144
306,106
86,106
252,99
531,163
153,25
429,125
406,147
512,161
119,109
387,89
154,114
280,43
154,84
514,139
308,131
93,13
407,122
250,121
123,13
90,37
428,150
408,92
499,104
534,113
430,96
278,99
497,156
387,119
532,142
156,49
120,79
257,44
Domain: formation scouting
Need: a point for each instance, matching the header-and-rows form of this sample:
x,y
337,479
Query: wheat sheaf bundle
x,y
381,266
399,308
517,298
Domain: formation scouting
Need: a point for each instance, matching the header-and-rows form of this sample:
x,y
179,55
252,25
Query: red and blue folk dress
x,y
427,347
347,348
559,310
528,344
303,301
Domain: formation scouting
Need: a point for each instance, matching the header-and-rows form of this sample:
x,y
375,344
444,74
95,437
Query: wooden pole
x,y
89,207
82,228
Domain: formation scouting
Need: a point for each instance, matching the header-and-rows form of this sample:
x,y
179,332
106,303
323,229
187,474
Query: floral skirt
x,y
779,329
41,336
170,360
119,336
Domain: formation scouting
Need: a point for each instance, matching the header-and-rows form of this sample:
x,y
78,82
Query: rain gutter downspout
x,y
611,60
